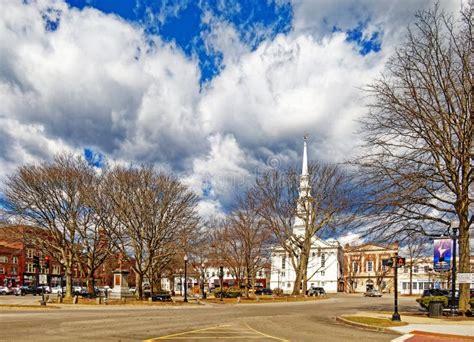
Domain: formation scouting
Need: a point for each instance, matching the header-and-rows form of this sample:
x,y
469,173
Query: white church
x,y
325,268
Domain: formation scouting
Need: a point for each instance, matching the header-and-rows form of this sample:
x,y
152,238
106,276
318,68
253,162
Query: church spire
x,y
304,170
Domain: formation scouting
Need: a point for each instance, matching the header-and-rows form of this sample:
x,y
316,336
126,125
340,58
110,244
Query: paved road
x,y
300,321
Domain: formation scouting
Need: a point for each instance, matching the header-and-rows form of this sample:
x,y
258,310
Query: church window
x,y
283,262
323,260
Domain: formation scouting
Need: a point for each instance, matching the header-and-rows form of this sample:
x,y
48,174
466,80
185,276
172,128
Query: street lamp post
x,y
202,282
453,274
185,279
221,280
396,315
180,281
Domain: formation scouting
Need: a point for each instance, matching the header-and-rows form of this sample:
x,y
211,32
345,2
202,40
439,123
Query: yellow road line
x,y
269,336
183,333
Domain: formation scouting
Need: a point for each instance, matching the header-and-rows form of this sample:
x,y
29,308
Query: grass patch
x,y
18,306
264,299
375,322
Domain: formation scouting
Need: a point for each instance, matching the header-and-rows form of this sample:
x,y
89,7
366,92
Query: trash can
x,y
435,309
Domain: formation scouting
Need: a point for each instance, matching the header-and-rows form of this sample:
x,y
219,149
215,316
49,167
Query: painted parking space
x,y
221,332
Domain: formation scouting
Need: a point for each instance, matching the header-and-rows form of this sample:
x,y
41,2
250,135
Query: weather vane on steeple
x,y
305,136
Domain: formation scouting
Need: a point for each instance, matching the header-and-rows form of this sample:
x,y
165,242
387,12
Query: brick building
x,y
363,269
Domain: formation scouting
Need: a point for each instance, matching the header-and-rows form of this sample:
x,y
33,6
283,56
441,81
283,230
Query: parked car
x,y
132,290
6,290
39,289
161,297
373,293
261,291
57,290
434,293
316,291
24,290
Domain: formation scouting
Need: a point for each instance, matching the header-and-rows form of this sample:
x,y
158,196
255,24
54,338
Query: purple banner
x,y
442,254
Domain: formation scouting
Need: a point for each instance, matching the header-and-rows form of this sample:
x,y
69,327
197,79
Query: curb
x,y
366,326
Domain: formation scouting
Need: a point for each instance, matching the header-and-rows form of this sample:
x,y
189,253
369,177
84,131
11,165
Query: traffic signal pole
x,y
396,315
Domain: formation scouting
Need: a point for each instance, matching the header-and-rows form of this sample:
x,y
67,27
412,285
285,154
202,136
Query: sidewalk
x,y
421,327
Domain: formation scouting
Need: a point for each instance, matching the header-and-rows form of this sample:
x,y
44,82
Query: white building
x,y
423,277
326,258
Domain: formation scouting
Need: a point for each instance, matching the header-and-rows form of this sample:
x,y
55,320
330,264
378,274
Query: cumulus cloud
x,y
72,79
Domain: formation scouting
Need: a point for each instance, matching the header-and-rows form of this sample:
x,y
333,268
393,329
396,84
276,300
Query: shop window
x,y
14,260
29,268
13,270
404,285
415,285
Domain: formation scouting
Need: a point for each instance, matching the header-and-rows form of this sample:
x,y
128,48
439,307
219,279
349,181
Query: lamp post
x,y
185,279
180,281
221,280
453,269
203,293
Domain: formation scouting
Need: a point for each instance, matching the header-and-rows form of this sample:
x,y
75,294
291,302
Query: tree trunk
x,y
139,285
298,279
464,267
68,282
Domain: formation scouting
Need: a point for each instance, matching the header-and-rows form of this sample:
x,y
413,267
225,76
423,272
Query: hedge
x,y
425,301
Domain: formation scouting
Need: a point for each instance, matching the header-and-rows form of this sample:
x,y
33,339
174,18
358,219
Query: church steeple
x,y
304,194
304,169
304,178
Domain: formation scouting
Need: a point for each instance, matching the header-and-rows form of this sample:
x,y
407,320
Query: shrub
x,y
277,292
471,303
425,301
226,293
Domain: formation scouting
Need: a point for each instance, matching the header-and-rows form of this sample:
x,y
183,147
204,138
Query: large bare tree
x,y
148,213
415,165
325,202
48,196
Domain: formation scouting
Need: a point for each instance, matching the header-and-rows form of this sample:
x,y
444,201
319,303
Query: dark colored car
x,y
24,290
316,291
161,297
267,292
434,293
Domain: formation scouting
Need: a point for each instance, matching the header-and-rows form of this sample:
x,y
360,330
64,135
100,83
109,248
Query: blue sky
x,y
181,22
213,91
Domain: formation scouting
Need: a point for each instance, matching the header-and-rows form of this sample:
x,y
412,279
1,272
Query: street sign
x,y
43,279
466,278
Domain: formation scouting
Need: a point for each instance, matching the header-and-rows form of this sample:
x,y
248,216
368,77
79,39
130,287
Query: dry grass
x,y
263,299
19,306
375,322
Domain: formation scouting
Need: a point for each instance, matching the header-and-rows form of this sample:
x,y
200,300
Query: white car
x,y
57,290
5,290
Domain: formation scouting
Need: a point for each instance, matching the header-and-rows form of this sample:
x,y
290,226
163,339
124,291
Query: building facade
x,y
364,269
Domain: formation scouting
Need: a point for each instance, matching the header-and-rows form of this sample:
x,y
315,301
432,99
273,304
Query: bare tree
x,y
415,251
148,213
324,202
248,231
415,165
47,196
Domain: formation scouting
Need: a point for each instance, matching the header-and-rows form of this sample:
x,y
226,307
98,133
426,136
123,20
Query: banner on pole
x,y
442,249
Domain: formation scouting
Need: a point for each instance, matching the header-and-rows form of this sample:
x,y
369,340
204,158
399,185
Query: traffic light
x,y
36,262
46,262
400,261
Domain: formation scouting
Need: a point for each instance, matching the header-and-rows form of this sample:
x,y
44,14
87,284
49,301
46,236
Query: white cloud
x,y
98,81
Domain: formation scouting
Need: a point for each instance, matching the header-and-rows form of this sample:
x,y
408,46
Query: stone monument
x,y
120,289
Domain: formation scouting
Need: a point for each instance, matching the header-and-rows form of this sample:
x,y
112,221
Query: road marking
x,y
220,332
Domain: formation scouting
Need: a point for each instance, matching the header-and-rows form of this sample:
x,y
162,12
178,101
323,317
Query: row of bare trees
x,y
85,215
